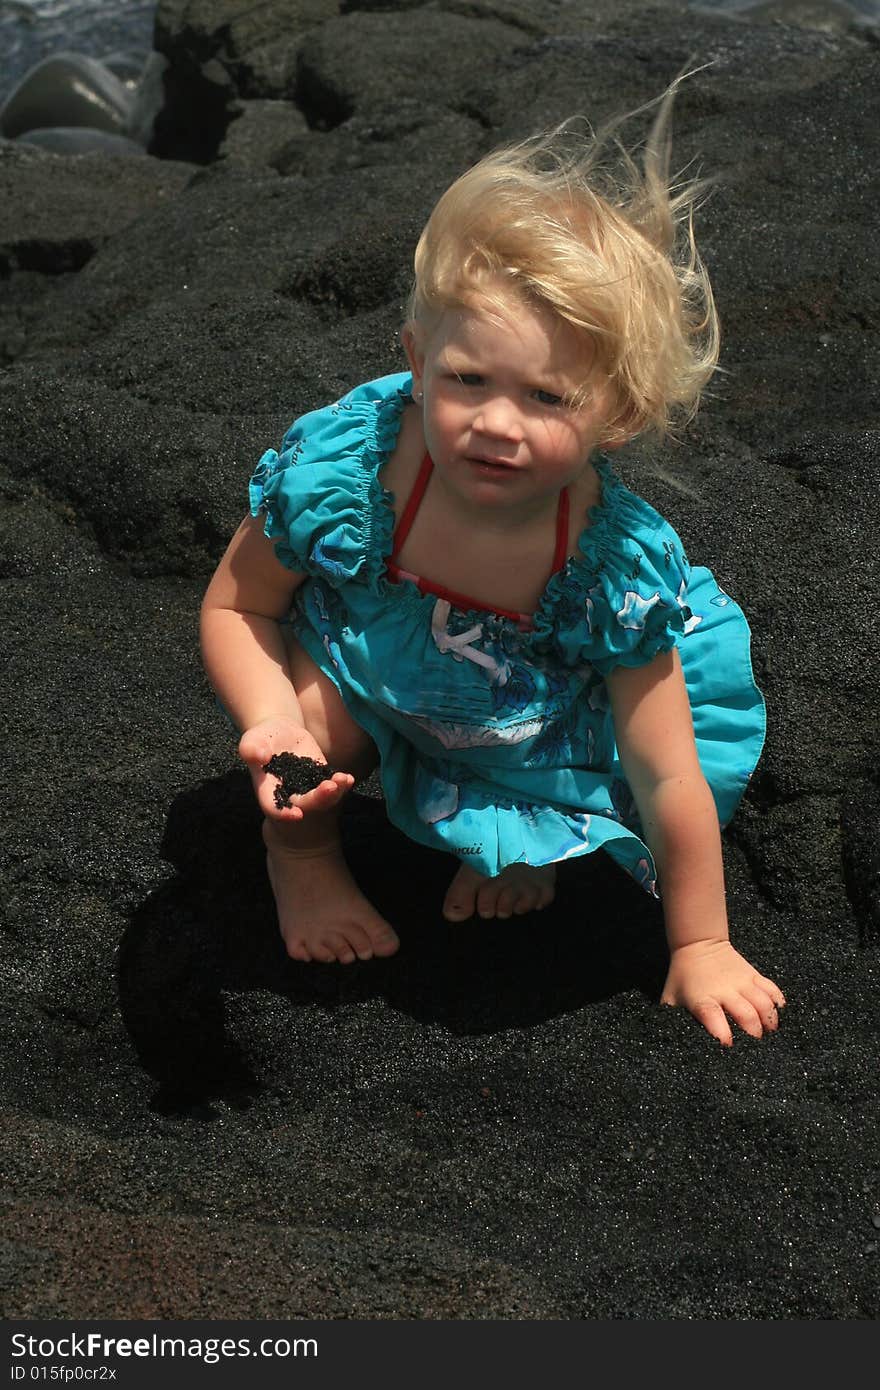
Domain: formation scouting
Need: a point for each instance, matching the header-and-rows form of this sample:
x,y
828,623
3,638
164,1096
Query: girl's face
x,y
498,419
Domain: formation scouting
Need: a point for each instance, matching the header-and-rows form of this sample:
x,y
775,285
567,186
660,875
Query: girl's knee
x,y
344,743
349,748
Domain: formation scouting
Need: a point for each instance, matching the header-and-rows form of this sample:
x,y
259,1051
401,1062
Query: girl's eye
x,y
547,398
469,378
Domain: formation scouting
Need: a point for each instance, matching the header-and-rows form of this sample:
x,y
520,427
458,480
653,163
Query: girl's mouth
x,y
492,465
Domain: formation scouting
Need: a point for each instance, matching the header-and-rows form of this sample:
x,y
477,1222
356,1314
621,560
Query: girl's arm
x,y
655,740
245,658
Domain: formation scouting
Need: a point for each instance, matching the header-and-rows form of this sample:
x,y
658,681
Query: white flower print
x,y
635,610
691,620
477,735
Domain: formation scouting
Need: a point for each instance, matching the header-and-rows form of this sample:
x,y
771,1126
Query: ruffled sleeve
x,y
623,600
324,505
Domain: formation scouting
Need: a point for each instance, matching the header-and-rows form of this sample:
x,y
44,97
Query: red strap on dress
x,y
560,555
425,586
402,529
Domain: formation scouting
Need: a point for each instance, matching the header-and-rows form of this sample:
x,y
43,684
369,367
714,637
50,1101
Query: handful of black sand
x,y
295,776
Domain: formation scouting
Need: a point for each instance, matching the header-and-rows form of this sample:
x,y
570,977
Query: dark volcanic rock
x,y
222,51
81,140
498,1122
55,213
352,63
260,131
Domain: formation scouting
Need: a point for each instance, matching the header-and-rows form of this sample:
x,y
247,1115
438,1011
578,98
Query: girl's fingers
x,y
326,794
773,990
339,783
714,1020
286,814
743,1012
753,1004
765,1006
323,797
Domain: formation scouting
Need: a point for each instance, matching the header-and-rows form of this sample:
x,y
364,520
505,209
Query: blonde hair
x,y
609,251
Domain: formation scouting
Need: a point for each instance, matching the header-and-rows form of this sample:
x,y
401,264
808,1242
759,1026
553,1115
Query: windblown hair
x,y
607,247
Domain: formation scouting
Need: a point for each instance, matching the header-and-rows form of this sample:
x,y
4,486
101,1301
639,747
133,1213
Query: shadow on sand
x,y
212,929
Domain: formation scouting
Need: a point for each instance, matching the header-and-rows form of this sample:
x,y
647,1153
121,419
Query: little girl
x,y
442,572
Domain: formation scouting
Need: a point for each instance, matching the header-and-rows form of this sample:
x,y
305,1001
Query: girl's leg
x,y
322,913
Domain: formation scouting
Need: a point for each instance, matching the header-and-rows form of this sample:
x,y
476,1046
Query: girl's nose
x,y
498,417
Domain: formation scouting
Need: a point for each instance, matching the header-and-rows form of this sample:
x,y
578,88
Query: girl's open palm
x,y
713,981
281,734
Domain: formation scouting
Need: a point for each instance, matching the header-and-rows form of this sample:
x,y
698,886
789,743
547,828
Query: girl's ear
x,y
412,338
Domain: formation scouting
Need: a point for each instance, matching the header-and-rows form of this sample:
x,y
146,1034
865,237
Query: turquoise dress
x,y
497,742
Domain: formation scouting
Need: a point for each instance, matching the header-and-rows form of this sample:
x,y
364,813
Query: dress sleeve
x,y
639,606
627,595
320,494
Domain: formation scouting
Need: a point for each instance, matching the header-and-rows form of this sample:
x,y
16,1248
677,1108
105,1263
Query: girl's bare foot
x,y
519,888
322,913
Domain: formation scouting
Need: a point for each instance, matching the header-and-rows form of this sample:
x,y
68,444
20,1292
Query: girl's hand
x,y
281,734
712,980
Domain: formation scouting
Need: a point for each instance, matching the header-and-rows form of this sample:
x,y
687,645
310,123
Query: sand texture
x,y
499,1122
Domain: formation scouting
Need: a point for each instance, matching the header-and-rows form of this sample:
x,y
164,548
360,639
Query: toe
x,y
341,948
460,900
487,899
457,911
384,941
506,902
356,942
323,953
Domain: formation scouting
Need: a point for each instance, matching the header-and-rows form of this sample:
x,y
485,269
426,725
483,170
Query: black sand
x,y
499,1122
295,776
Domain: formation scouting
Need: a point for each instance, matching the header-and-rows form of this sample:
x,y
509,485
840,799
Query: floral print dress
x,y
496,741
